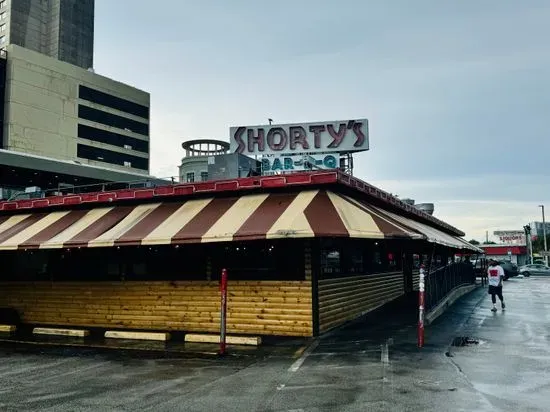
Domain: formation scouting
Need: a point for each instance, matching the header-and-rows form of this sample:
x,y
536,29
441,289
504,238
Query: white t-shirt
x,y
495,273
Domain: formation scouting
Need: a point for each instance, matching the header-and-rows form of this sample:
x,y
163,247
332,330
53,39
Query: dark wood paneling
x,y
344,299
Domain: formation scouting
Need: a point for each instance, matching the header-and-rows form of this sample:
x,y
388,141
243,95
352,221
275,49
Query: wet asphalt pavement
x,y
370,365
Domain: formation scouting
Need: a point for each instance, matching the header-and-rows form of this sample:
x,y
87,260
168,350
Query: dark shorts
x,y
495,290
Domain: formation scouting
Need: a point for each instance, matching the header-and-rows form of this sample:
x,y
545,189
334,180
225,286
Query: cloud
x,y
456,93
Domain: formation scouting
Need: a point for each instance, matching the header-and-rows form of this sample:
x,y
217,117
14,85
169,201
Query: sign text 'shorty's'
x,y
340,136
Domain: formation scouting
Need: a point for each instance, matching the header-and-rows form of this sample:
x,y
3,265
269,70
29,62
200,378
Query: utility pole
x,y
528,243
544,236
486,237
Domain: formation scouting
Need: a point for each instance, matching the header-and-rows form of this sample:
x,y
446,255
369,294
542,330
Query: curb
x,y
451,298
118,350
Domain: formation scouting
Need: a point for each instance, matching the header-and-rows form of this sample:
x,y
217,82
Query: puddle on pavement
x,y
465,341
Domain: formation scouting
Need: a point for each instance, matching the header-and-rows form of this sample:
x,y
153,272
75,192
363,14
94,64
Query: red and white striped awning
x,y
309,213
432,234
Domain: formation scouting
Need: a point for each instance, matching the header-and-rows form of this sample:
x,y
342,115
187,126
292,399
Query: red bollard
x,y
223,314
421,308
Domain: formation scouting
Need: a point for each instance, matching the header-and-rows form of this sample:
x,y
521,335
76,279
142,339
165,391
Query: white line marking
x,y
481,321
296,365
384,353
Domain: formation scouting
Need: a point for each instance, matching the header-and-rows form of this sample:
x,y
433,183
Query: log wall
x,y
344,299
254,307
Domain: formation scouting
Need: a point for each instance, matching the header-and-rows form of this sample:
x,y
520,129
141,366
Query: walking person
x,y
496,277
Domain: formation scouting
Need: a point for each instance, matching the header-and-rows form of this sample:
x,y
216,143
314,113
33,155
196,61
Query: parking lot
x,y
369,365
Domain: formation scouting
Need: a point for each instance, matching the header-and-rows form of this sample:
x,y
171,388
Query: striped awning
x,y
311,213
432,234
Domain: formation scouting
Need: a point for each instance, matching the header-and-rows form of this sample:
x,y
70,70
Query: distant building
x,y
209,159
62,111
61,114
536,229
62,29
515,253
198,152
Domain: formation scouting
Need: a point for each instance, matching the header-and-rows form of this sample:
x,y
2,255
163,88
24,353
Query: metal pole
x,y
421,308
544,235
530,240
223,314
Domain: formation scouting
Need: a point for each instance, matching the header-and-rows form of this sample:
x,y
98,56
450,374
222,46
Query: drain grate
x,y
465,341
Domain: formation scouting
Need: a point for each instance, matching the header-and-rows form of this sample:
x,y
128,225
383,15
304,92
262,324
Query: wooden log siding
x,y
254,307
344,299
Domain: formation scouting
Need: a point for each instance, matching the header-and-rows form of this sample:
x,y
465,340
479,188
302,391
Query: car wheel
x,y
506,277
526,274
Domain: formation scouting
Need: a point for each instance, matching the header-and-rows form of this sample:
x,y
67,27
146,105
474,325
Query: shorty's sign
x,y
288,139
298,163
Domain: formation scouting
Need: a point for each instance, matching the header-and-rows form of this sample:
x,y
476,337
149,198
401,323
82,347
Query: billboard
x,y
510,236
298,138
296,163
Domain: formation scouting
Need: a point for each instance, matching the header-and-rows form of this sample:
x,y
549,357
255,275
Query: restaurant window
x,y
395,262
190,177
267,260
356,261
331,258
376,257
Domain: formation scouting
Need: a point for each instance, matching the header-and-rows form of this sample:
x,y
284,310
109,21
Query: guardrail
x,y
441,281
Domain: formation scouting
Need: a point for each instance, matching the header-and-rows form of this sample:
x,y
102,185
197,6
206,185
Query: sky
x,y
457,93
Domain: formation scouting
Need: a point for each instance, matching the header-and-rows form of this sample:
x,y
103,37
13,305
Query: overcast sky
x,y
457,93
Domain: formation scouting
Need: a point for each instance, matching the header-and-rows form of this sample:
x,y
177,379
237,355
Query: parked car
x,y
536,270
510,269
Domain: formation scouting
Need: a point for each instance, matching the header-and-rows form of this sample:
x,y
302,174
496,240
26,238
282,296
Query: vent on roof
x,y
426,207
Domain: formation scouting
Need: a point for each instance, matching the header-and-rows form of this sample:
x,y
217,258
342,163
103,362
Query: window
x,y
2,39
108,119
269,260
95,153
3,15
204,176
3,28
2,4
115,139
105,99
127,164
331,257
190,177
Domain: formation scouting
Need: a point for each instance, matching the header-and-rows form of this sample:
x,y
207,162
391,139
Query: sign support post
x,y
223,312
421,301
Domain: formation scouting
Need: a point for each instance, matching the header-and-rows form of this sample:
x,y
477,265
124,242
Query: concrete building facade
x,y
60,111
62,29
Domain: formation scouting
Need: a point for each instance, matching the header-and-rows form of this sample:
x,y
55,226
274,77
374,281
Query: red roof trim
x,y
503,250
241,184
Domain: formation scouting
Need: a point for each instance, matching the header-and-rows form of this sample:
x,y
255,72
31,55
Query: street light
x,y
544,236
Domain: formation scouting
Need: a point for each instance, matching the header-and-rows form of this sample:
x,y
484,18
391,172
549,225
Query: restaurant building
x,y
305,253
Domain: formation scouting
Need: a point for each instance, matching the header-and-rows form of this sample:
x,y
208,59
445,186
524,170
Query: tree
x,y
473,242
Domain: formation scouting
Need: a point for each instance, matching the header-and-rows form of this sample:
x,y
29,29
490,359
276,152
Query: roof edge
x,y
304,179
